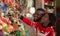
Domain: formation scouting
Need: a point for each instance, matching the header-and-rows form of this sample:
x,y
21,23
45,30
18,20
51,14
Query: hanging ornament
x,y
10,28
9,2
32,10
47,2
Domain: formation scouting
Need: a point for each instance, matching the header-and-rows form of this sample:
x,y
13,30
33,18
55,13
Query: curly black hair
x,y
52,19
40,9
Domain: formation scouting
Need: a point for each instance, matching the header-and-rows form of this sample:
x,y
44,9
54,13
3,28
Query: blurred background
x,y
58,17
11,8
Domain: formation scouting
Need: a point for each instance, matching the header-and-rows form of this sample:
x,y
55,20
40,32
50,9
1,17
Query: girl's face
x,y
37,15
45,20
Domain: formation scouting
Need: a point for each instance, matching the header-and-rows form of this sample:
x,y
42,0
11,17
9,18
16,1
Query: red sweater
x,y
49,31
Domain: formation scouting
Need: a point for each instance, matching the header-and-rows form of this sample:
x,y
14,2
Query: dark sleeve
x,y
21,17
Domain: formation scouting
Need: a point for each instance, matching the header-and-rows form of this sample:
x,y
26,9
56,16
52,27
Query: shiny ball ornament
x,y
32,10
